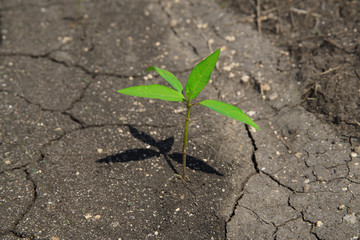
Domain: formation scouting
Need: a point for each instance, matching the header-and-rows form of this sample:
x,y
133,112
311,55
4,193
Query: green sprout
x,y
198,79
79,10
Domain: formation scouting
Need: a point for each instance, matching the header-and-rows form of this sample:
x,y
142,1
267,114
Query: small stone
x,y
115,224
344,189
252,129
353,154
230,38
100,150
77,173
273,96
223,48
350,218
298,154
157,44
251,113
11,64
319,224
55,238
7,162
231,75
66,40
156,233
131,78
245,78
341,207
97,217
178,209
87,216
306,181
173,23
265,87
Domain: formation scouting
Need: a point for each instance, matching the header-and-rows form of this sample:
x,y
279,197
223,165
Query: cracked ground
x,y
80,161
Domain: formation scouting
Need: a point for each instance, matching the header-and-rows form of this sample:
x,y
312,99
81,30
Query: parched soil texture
x,y
323,39
80,161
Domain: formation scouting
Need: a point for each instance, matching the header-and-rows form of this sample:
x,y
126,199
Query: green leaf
x,y
200,75
168,76
229,110
154,91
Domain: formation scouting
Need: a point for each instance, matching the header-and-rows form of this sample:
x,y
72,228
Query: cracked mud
x,y
80,161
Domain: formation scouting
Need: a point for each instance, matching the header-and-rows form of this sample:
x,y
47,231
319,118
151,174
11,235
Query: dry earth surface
x,y
80,161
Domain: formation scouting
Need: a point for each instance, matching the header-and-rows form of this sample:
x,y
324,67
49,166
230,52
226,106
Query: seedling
x,y
79,10
198,79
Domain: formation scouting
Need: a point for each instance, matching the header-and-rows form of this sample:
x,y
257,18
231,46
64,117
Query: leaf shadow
x,y
163,148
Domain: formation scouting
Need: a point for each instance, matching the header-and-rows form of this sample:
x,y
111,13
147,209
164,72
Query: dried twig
x,y
305,12
332,69
357,122
258,15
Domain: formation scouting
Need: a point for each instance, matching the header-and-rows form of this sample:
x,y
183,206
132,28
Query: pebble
x,y
231,75
100,150
273,96
251,113
265,87
319,224
298,154
115,224
350,218
229,67
230,38
353,154
245,78
7,162
341,207
66,40
173,23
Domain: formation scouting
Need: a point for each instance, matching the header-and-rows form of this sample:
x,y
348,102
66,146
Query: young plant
x,y
198,79
79,10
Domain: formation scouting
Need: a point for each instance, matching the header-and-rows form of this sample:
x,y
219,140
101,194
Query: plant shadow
x,y
163,148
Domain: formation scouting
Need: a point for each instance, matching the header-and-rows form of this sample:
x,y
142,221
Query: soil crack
x,y
27,209
253,157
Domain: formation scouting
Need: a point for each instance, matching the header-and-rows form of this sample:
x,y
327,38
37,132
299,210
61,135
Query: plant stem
x,y
79,10
185,139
